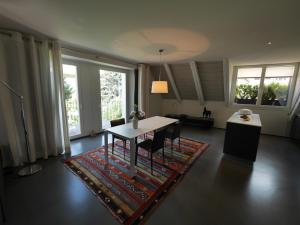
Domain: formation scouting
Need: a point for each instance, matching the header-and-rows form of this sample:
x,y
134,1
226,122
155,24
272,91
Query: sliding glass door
x,y
113,96
72,100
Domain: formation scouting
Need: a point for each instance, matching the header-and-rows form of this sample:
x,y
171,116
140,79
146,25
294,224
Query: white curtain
x,y
143,88
33,69
151,104
295,106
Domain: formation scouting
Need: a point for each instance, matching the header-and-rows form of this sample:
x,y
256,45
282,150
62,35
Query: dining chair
x,y
114,123
172,133
152,146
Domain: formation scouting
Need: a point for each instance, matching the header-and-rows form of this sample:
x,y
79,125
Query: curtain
x,y
295,105
143,88
151,104
32,68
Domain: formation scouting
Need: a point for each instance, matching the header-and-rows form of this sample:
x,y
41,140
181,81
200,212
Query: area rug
x,y
131,200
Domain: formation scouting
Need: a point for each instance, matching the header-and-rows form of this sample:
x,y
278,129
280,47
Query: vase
x,y
135,122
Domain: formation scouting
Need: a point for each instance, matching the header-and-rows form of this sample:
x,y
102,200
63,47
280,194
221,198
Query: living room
x,y
178,112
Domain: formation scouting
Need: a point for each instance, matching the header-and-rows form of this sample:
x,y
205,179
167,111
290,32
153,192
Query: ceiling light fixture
x,y
159,87
269,43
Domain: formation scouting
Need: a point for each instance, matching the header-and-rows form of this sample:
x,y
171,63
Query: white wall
x,y
274,121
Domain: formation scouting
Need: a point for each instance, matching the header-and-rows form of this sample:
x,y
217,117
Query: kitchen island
x,y
242,136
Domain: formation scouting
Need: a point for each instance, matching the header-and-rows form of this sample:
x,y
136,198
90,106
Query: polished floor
x,y
216,191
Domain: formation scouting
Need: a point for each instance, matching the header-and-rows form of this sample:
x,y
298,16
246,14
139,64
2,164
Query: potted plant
x,y
136,115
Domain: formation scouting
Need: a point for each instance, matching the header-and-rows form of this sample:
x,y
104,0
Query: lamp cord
x,y
160,52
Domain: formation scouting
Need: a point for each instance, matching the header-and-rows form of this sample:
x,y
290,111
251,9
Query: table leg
x,y
106,145
132,170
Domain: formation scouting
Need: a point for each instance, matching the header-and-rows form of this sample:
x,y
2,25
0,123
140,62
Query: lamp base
x,y
30,170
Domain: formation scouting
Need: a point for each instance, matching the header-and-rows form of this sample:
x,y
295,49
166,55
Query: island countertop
x,y
254,120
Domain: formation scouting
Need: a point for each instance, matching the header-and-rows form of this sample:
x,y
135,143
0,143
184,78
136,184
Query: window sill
x,y
261,107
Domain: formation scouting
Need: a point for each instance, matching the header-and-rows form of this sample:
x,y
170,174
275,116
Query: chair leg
x,y
136,155
2,211
172,146
151,163
163,154
124,146
179,142
113,145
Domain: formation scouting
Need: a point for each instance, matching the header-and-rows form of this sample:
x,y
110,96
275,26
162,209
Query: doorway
x,y
72,100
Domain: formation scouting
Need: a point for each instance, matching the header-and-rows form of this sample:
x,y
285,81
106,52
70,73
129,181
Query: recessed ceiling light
x,y
269,43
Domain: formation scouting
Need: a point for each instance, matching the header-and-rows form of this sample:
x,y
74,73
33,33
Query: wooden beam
x,y
172,82
197,82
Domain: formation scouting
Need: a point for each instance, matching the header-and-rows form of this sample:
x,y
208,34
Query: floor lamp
x,y
31,168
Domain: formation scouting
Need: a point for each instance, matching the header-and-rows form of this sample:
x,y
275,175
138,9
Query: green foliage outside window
x,y
68,90
111,95
247,91
275,91
272,93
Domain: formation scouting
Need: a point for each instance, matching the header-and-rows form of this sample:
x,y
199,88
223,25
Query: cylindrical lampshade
x,y
159,87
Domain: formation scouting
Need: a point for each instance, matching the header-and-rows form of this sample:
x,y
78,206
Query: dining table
x,y
126,131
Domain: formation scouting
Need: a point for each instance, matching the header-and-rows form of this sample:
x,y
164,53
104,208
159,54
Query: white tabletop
x,y
254,120
146,125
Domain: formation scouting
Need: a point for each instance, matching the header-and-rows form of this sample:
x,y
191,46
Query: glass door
x,y
72,99
113,96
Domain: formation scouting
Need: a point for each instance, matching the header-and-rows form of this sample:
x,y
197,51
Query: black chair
x,y
172,133
152,146
114,123
2,196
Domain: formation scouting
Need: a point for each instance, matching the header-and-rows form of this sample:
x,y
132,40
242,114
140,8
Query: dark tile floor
x,y
216,191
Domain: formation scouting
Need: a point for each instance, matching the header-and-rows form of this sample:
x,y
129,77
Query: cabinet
x,y
242,137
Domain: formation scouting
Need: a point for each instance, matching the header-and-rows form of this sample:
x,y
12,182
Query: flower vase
x,y
135,122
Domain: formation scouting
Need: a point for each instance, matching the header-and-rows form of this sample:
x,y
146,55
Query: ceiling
x,y
209,73
187,30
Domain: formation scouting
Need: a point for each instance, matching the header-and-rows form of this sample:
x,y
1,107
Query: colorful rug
x,y
132,200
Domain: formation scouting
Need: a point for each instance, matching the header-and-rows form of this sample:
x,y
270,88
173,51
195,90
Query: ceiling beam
x,y
197,82
172,82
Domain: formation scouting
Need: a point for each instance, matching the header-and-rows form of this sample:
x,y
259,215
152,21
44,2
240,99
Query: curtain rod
x,y
9,33
97,56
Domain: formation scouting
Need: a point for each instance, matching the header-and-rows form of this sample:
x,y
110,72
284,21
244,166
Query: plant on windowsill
x,y
135,116
246,94
273,94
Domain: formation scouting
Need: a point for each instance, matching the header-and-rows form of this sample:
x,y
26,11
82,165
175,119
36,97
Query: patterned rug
x,y
131,200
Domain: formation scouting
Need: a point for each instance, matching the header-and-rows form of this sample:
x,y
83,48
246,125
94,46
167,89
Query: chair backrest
x,y
158,140
117,122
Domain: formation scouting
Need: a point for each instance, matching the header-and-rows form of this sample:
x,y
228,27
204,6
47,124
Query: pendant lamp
x,y
160,86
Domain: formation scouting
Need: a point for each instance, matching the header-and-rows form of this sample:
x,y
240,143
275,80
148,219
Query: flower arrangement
x,y
136,113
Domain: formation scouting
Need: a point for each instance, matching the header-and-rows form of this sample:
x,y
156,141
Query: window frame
x,y
127,91
261,85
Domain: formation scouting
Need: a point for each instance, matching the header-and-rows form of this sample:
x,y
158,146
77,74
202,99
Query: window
x,y
113,96
264,85
277,84
72,99
247,84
